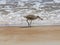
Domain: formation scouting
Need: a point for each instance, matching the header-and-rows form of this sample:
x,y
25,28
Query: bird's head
x,y
39,17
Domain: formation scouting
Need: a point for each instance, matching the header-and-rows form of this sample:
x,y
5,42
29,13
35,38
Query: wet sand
x,y
45,35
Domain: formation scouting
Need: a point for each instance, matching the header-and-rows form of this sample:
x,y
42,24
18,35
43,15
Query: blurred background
x,y
12,12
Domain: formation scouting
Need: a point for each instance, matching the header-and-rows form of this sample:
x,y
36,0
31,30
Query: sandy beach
x,y
43,35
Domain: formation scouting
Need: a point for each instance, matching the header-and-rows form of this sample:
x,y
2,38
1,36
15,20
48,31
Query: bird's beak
x,y
41,18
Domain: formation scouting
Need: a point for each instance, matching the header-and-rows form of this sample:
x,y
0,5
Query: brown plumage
x,y
32,17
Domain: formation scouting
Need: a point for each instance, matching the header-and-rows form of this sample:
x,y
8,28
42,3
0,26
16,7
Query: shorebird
x,y
31,18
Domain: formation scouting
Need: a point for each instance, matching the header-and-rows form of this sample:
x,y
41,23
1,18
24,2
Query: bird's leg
x,y
28,23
